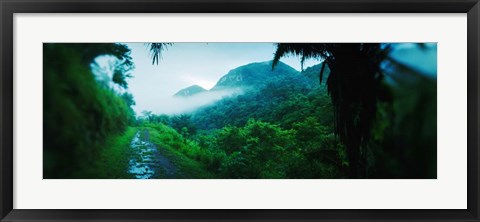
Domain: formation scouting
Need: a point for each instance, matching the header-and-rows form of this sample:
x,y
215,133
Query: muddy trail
x,y
147,162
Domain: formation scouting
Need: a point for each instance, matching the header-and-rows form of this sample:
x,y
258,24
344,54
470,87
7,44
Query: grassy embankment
x,y
112,161
178,150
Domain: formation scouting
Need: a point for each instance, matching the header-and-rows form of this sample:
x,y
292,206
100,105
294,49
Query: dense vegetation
x,y
284,124
283,127
79,115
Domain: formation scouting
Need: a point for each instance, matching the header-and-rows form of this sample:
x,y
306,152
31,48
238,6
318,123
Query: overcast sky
x,y
203,64
186,64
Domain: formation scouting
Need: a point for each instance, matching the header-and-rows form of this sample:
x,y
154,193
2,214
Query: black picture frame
x,y
9,7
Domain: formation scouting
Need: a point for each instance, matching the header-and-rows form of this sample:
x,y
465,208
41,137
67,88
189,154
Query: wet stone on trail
x,y
146,162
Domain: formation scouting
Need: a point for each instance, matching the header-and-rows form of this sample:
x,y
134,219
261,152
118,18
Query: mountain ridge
x,y
253,75
190,91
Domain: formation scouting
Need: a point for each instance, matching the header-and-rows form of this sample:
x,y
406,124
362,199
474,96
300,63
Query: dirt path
x,y
146,162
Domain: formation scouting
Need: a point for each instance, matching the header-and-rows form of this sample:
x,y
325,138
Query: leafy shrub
x,y
78,114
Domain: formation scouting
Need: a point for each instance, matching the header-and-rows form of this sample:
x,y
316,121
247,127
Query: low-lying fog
x,y
186,64
177,105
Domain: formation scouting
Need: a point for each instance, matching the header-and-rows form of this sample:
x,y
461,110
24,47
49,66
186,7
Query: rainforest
x,y
239,111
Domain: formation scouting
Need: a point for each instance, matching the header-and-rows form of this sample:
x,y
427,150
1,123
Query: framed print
x,y
256,110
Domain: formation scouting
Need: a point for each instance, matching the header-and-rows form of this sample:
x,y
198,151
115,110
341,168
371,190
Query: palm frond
x,y
303,50
156,50
353,85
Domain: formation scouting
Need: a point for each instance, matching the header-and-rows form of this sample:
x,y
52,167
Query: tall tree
x,y
354,84
156,50
355,87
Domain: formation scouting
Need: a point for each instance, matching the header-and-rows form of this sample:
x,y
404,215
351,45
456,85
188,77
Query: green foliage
x,y
119,79
113,159
194,161
128,98
292,136
153,118
283,99
257,150
287,124
354,85
255,75
300,104
78,114
323,154
230,139
184,125
260,149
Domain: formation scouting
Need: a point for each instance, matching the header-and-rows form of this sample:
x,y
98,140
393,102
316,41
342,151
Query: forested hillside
x,y
281,127
324,122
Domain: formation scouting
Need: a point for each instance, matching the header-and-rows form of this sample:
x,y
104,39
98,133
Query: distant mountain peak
x,y
190,91
253,75
250,76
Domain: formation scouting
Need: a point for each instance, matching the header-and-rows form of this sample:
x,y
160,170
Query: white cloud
x,y
176,105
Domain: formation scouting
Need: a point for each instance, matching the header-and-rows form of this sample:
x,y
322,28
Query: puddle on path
x,y
146,161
